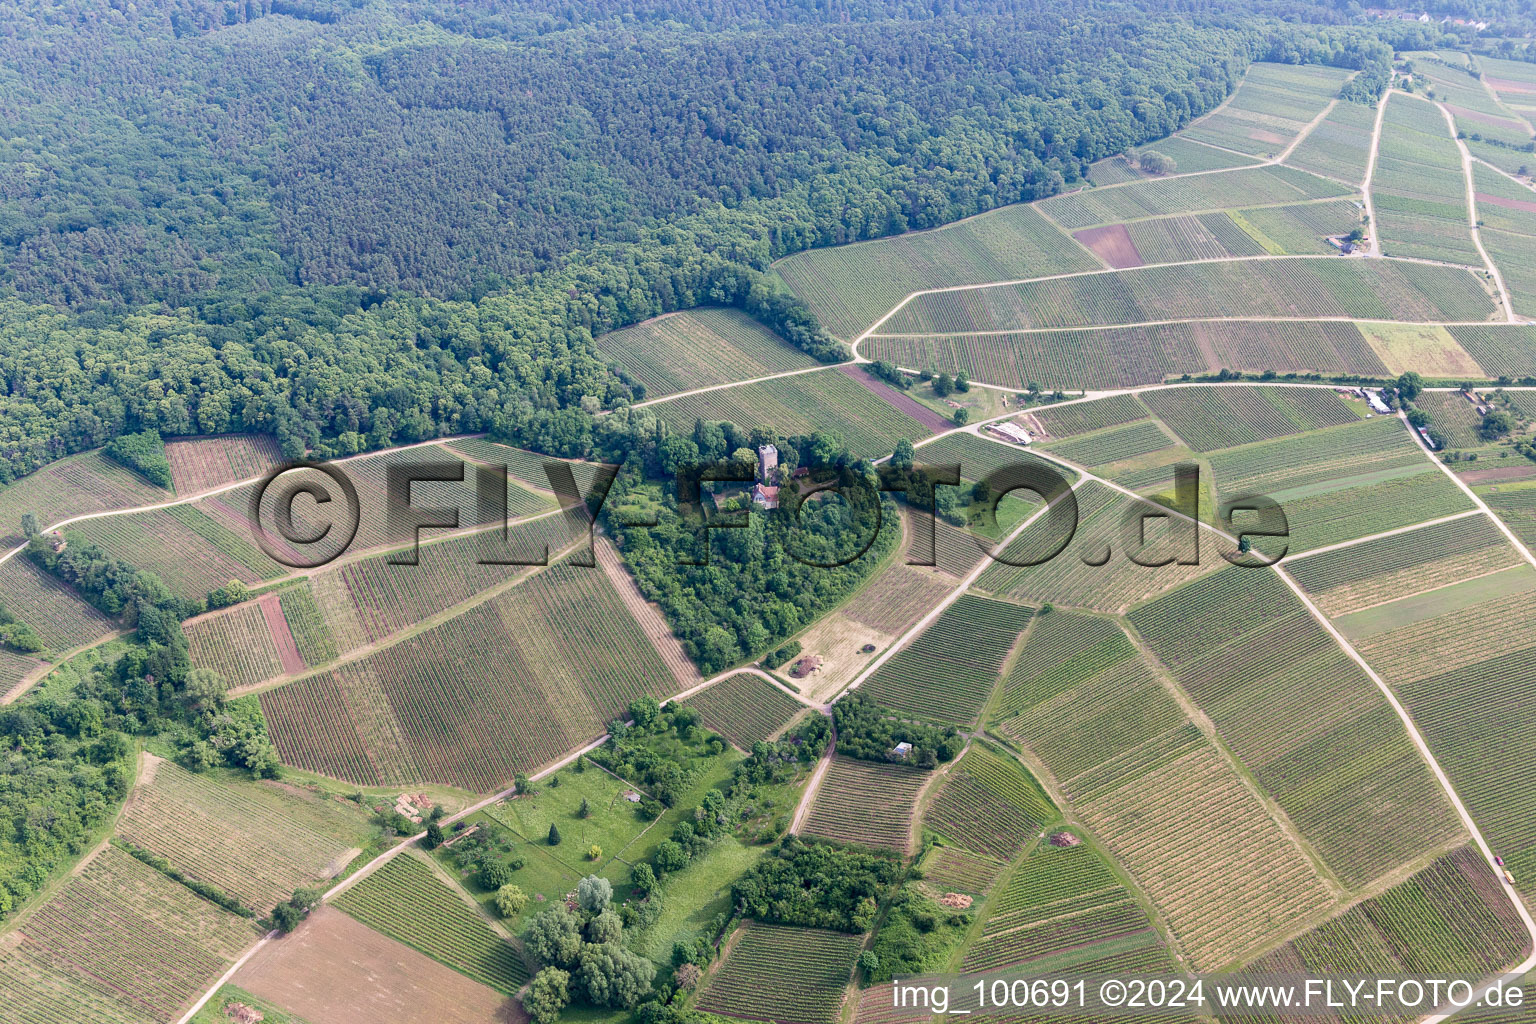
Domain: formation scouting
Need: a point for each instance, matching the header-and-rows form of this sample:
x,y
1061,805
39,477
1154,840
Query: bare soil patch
x,y
1508,85
1508,204
1274,139
334,970
1488,476
1112,244
282,636
900,402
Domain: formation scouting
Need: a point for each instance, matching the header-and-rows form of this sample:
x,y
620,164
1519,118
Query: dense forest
x,y
347,224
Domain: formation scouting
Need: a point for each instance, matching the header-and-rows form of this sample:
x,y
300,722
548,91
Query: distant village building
x,y
1010,431
767,463
764,496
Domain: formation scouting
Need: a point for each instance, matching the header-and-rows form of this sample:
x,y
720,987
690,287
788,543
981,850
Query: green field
x,y
1067,908
1079,576
1339,146
828,401
1500,348
850,287
253,840
58,614
1302,717
405,900
119,942
1271,107
1291,288
786,975
1113,444
70,487
1205,193
745,708
697,348
1352,578
510,684
867,802
988,805
1188,157
948,672
1449,919
1211,418
1081,417
1419,190
1128,356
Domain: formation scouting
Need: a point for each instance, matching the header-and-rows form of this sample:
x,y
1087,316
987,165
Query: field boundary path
x,y
1472,221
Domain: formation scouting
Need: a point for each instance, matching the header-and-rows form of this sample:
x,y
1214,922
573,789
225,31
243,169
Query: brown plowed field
x,y
334,970
1112,244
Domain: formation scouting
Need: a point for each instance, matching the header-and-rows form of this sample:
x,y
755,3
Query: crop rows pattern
x,y
122,927
70,487
988,805
948,672
1211,418
784,975
61,618
827,401
1159,197
1302,717
202,463
503,687
1340,145
698,348
867,802
745,708
1112,445
236,644
406,901
1298,288
1081,417
849,287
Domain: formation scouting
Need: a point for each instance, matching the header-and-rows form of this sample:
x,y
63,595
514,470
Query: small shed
x,y
902,750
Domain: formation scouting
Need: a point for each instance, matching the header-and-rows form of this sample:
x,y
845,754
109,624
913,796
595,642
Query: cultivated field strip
x,y
1273,105
784,975
1131,356
1060,903
122,929
307,625
1210,418
1189,157
1339,146
849,287
191,552
1508,214
252,840
1418,189
988,805
380,597
504,687
73,486
976,456
1250,879
1113,444
867,802
1448,920
406,901
1083,700
36,989
1292,288
898,598
1302,717
1302,229
745,708
829,400
236,644
1080,576
949,671
58,614
1374,571
1312,460
522,465
202,463
1159,197
698,348
949,868
1081,417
